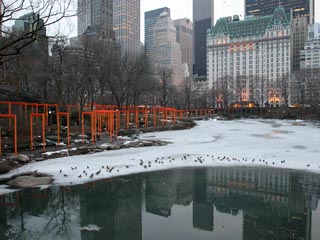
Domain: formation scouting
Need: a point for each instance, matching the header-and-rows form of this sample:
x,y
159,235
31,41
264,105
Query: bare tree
x,y
143,82
44,13
188,92
262,88
165,76
27,73
298,87
283,84
239,87
129,79
72,74
222,91
105,52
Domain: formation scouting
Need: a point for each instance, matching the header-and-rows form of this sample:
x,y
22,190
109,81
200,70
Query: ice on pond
x,y
215,143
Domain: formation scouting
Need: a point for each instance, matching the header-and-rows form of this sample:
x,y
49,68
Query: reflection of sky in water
x,y
212,203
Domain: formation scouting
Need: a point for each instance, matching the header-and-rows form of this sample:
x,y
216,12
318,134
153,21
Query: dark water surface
x,y
209,203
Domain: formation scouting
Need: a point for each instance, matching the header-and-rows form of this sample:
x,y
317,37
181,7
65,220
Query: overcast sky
x,y
183,8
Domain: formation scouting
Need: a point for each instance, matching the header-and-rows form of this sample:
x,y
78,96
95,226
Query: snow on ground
x,y
274,143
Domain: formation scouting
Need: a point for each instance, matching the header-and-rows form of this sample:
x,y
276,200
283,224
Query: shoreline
x,y
128,161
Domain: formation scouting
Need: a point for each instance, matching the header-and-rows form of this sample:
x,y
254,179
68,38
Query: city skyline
x,y
222,8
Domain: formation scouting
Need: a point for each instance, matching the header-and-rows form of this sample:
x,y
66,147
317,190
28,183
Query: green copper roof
x,y
251,26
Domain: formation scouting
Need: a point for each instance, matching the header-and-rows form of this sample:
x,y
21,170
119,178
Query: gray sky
x,y
183,8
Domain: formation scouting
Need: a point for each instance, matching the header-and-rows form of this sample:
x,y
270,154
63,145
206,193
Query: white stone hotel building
x,y
249,61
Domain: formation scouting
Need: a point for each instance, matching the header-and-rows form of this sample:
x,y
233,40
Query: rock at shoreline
x,y
4,166
129,132
29,181
20,158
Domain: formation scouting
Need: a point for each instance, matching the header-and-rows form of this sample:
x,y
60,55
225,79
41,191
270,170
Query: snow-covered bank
x,y
274,143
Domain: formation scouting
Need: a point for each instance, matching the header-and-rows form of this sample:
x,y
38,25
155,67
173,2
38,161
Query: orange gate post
x,y
128,119
42,115
111,114
118,122
15,131
146,120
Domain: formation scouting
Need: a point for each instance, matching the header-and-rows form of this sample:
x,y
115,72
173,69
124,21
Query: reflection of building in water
x,y
311,187
115,207
275,204
129,212
3,222
185,188
272,183
164,189
264,226
272,200
202,209
161,192
297,199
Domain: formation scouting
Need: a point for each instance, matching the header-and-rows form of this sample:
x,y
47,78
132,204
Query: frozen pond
x,y
253,142
195,203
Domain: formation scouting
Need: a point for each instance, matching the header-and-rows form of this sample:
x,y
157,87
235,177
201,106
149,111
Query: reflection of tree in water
x,y
115,207
61,212
51,208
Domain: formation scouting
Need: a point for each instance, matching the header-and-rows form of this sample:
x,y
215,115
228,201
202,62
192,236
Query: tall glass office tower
x,y
267,7
126,24
97,14
203,19
150,19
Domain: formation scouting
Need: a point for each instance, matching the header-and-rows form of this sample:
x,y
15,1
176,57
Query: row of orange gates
x,y
26,115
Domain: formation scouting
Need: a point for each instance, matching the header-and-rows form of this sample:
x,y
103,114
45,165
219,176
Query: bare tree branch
x,y
46,13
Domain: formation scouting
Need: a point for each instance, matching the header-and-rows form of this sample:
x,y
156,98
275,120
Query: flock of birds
x,y
87,172
92,174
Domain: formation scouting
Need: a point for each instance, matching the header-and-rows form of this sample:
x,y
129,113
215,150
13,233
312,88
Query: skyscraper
x,y
32,22
97,14
150,19
299,33
184,28
166,53
203,19
266,7
126,24
310,54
